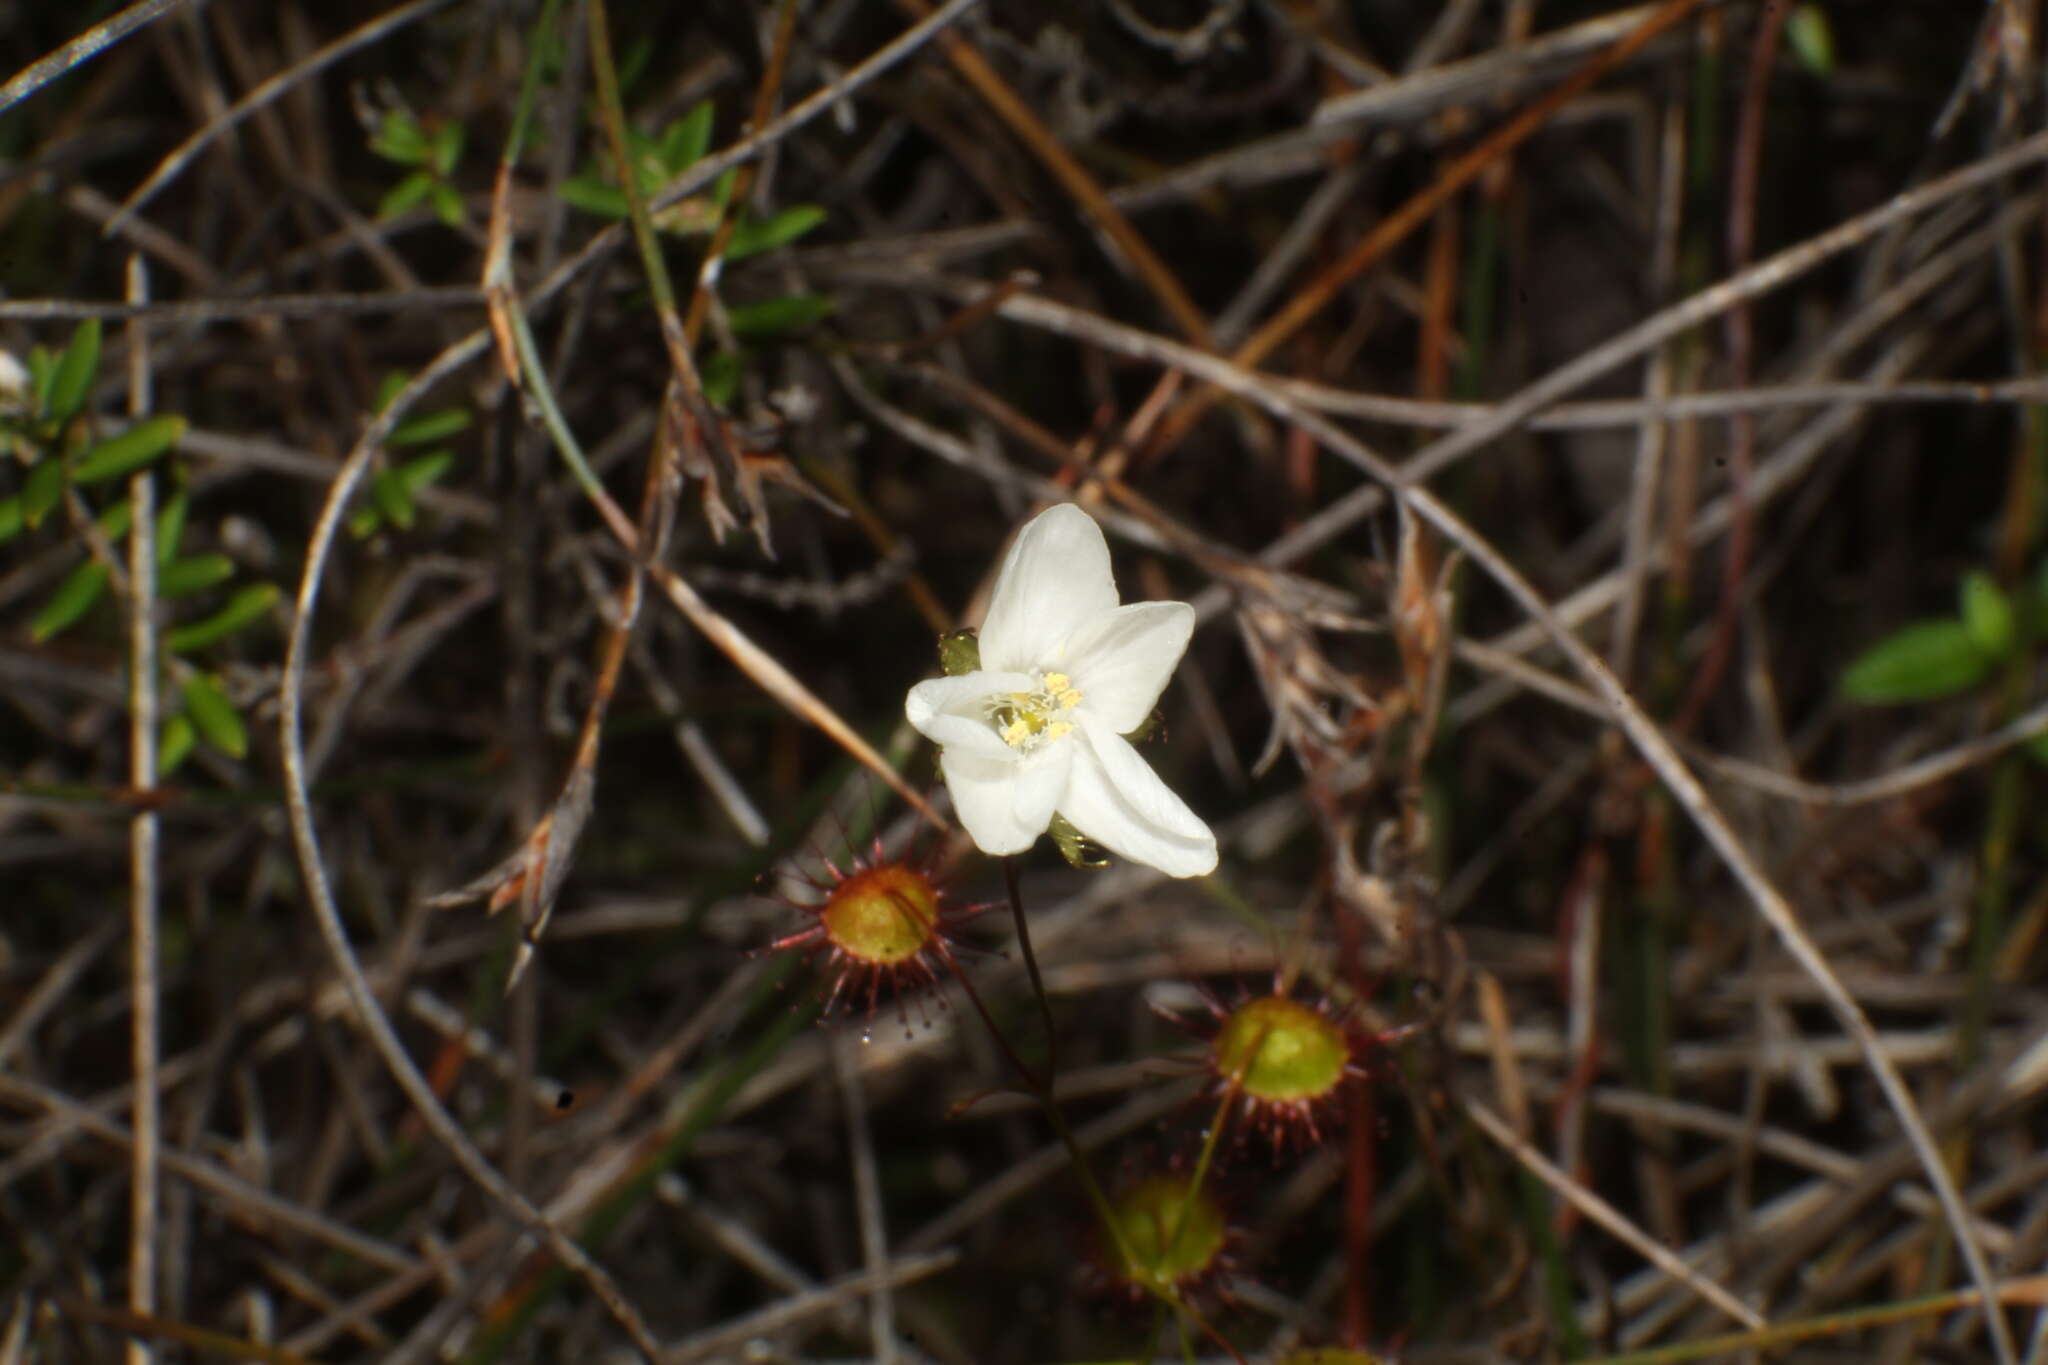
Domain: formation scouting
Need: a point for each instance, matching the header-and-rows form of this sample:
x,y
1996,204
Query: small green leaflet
x,y
245,608
214,716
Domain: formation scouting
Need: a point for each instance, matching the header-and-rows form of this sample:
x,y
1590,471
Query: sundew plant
x,y
969,683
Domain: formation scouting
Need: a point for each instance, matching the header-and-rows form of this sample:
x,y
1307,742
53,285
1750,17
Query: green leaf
x,y
447,148
215,717
751,238
1925,660
592,195
115,521
130,450
447,201
394,499
74,597
193,574
684,142
417,474
400,138
1988,614
170,527
407,193
246,607
633,61
173,744
1806,29
71,380
364,521
773,317
389,387
42,369
429,427
12,518
720,375
43,490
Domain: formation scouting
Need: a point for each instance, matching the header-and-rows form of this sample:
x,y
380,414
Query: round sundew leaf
x,y
1172,1231
1280,1051
883,915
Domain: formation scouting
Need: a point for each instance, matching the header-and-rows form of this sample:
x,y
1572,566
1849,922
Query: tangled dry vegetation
x,y
479,478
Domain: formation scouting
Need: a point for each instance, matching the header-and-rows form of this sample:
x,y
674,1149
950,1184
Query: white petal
x,y
1041,782
1055,577
953,712
1005,806
1121,659
1116,799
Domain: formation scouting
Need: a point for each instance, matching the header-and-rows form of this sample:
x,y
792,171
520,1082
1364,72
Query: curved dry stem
x,y
312,869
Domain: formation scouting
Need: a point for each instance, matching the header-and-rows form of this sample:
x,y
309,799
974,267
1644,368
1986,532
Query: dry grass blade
x,y
83,48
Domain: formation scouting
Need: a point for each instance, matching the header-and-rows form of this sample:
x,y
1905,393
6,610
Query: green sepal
x,y
1073,844
1147,728
959,653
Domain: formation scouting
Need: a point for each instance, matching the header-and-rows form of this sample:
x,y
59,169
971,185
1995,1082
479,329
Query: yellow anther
x,y
1057,683
1070,698
1057,728
1016,732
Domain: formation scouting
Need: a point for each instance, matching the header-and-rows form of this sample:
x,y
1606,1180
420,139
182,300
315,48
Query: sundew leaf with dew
x,y
1922,662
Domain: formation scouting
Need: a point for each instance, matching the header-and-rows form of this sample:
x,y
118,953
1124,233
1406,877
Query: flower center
x,y
1026,720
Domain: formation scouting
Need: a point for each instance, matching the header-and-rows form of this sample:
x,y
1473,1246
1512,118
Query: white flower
x,y
1065,674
